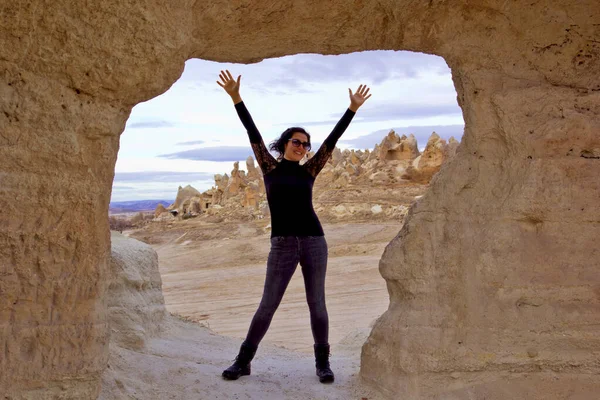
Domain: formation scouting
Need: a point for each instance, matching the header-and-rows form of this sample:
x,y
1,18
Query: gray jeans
x,y
286,252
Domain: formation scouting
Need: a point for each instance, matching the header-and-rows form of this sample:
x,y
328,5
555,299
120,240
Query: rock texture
x,y
184,195
494,277
160,209
426,165
135,301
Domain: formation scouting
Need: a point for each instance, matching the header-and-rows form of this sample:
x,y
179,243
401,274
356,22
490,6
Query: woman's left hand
x,y
359,97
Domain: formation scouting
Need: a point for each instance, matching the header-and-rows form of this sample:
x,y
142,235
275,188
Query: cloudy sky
x,y
191,132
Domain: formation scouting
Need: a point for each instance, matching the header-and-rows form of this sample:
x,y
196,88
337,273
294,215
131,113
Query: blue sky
x,y
191,132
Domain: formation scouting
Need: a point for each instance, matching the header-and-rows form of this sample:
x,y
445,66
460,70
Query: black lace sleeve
x,y
264,159
316,164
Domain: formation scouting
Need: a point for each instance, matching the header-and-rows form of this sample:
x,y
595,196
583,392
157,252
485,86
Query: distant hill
x,y
135,206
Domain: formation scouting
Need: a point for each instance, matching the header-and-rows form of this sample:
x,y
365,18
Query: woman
x,y
296,233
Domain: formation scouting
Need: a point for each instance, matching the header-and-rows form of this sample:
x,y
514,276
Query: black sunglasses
x,y
298,143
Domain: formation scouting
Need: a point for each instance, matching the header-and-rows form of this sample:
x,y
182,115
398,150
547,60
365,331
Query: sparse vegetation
x,y
119,224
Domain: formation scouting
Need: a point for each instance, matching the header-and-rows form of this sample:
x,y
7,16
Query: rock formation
x,y
136,306
159,210
253,172
183,195
135,303
426,165
452,148
251,196
236,182
493,278
434,153
240,196
394,147
387,163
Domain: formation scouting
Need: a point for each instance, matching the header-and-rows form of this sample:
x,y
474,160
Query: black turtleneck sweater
x,y
289,185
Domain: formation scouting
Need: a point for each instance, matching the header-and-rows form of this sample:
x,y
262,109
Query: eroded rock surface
x,y
135,301
184,194
494,277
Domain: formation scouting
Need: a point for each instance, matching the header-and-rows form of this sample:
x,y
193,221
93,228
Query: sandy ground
x,y
186,361
215,275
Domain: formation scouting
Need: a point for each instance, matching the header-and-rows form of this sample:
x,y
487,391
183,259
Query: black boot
x,y
241,366
322,363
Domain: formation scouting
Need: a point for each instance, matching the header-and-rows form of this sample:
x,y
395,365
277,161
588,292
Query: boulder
x,y
183,194
135,302
159,210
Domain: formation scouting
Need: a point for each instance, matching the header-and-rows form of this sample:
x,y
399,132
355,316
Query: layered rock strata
x,y
493,279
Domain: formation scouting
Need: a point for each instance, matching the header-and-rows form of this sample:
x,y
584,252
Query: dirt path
x,y
200,264
185,362
215,275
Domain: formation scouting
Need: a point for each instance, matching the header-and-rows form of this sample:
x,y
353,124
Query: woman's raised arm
x,y
357,99
232,86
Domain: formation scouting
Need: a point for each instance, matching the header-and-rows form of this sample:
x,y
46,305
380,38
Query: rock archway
x,y
494,277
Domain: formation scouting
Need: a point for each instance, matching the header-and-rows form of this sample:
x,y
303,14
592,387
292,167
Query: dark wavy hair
x,y
278,145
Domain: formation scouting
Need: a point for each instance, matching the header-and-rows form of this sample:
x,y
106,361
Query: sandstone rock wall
x,y
136,310
494,277
135,302
69,76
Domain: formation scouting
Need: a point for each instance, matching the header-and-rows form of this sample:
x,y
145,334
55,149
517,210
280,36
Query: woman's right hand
x,y
231,86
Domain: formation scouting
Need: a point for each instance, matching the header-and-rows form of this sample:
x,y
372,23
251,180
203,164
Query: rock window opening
x,y
212,236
